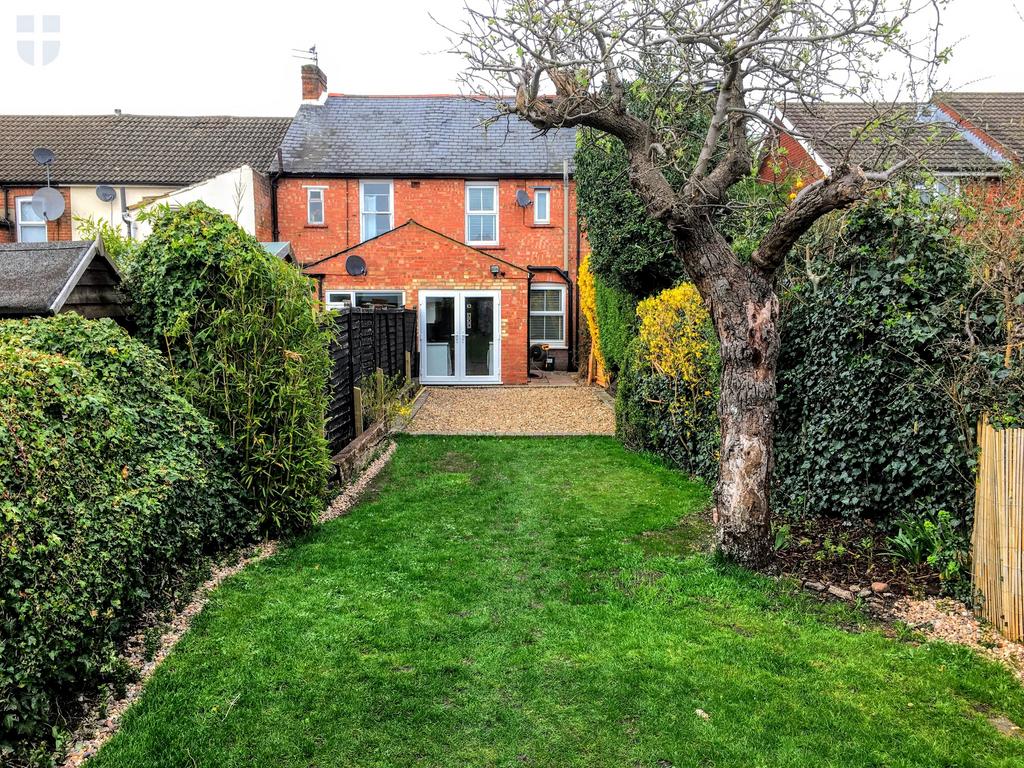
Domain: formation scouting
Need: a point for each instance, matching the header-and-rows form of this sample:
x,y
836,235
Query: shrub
x,y
247,348
111,488
867,424
588,307
616,322
667,393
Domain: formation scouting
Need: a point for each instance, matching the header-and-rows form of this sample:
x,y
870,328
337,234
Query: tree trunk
x,y
745,310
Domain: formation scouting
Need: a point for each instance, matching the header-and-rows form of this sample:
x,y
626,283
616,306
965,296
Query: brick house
x,y
808,140
144,157
430,203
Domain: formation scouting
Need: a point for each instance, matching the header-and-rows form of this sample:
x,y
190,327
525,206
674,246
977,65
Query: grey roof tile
x,y
135,149
1000,115
419,136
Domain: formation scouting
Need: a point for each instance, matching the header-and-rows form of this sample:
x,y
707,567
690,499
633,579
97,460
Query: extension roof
x,y
135,149
37,278
833,131
999,115
419,136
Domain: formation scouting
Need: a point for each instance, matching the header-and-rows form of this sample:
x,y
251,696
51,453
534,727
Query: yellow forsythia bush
x,y
588,305
675,334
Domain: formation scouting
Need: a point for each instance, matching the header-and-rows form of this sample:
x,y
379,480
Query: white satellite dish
x,y
48,203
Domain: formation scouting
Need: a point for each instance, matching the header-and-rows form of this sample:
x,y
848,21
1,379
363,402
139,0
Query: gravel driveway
x,y
529,410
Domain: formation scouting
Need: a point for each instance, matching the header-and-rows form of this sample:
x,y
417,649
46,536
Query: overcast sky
x,y
216,57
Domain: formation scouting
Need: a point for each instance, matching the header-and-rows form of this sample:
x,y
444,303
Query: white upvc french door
x,y
460,337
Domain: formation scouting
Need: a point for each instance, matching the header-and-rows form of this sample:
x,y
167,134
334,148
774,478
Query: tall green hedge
x,y
616,318
868,421
246,346
111,488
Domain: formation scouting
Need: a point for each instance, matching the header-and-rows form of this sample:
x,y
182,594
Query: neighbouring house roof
x,y
999,115
37,278
835,131
282,250
411,224
135,149
419,136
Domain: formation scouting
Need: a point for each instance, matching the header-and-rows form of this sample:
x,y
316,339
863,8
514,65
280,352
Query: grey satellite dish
x,y
43,156
106,193
48,203
523,198
355,265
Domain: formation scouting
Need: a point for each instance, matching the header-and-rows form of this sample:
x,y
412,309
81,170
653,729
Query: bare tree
x,y
745,57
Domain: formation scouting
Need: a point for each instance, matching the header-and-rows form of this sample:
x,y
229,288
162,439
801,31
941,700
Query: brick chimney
x,y
314,82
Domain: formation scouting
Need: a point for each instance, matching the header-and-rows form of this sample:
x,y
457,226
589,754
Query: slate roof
x,y
33,276
135,149
419,136
1000,115
832,129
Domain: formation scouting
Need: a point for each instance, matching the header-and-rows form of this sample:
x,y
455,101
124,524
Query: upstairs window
x,y
482,214
542,206
376,206
315,205
31,226
547,315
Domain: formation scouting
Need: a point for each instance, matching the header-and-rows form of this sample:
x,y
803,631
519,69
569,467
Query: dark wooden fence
x,y
366,339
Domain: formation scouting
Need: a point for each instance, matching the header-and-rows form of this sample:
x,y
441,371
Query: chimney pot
x,y
314,82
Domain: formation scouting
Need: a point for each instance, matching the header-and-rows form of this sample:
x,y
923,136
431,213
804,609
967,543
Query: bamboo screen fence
x,y
998,539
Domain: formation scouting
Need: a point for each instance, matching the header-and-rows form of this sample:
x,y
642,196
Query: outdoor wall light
x,y
496,271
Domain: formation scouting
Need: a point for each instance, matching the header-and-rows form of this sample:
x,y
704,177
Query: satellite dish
x,y
43,156
523,198
106,193
48,203
355,265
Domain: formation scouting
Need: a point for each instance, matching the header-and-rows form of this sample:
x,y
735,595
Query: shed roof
x,y
835,131
36,278
136,149
419,136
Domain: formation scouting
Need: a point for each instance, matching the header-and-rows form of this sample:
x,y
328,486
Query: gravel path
x,y
514,411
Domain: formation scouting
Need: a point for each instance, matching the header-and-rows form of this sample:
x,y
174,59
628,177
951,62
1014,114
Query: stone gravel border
x,y
103,722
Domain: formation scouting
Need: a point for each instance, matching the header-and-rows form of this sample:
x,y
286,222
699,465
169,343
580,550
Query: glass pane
x,y
339,298
378,300
316,212
545,300
482,228
375,224
440,336
28,213
541,205
379,192
546,328
479,336
33,234
481,198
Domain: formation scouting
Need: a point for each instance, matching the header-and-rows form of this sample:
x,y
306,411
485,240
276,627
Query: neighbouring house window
x,y
31,226
547,315
376,204
314,205
542,206
482,214
364,299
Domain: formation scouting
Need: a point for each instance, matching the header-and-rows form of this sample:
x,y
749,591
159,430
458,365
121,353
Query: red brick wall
x,y
412,258
261,207
55,230
787,159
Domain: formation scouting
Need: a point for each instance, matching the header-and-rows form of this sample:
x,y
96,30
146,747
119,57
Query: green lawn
x,y
499,602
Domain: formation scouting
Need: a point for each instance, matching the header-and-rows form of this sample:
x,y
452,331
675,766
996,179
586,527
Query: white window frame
x,y
563,313
31,224
546,191
323,206
390,185
497,218
351,293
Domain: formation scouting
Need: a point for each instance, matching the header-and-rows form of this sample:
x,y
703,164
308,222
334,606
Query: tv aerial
x,y
307,54
47,202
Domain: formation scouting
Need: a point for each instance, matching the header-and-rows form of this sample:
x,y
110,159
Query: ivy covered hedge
x,y
112,486
246,347
870,424
616,321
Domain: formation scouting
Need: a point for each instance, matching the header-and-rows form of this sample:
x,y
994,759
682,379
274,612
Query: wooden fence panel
x,y
998,538
366,339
